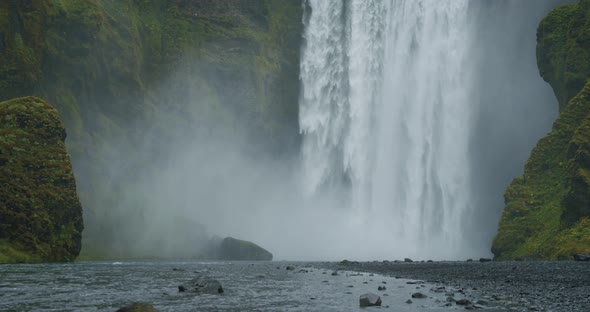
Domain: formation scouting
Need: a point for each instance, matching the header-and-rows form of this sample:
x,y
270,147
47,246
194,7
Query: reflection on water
x,y
266,286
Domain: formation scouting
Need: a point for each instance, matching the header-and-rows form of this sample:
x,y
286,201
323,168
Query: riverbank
x,y
519,286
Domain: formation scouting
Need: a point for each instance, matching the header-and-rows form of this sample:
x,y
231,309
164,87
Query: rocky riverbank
x,y
514,285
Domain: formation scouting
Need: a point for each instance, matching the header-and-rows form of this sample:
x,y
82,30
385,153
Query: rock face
x,y
235,249
547,212
40,213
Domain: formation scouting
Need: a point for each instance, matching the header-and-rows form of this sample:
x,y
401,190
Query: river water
x,y
267,286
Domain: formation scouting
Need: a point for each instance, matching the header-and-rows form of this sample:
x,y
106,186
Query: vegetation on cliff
x,y
40,213
115,69
547,212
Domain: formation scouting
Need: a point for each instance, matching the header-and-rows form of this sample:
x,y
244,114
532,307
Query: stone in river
x,y
369,300
138,307
203,285
463,302
582,257
419,295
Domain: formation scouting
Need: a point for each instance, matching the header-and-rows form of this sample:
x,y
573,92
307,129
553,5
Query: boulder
x,y
369,300
138,307
202,285
582,257
463,302
40,211
419,295
485,260
408,260
236,249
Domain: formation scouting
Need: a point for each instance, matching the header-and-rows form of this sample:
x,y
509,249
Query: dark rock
x,y
236,249
463,302
138,307
419,295
408,260
203,285
485,260
290,268
582,257
381,288
429,261
2,42
335,273
409,301
369,300
469,260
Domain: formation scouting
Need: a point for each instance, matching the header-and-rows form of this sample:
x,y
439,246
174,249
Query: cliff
x,y
40,213
547,212
120,70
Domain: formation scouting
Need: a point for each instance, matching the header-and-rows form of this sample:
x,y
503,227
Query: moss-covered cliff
x,y
40,213
114,66
547,212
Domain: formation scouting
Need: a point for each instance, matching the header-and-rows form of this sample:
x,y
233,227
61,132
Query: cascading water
x,y
385,105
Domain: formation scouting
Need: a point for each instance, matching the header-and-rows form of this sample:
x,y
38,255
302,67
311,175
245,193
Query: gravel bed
x,y
509,285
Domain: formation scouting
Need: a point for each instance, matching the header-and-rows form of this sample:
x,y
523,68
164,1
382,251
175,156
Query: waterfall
x,y
385,112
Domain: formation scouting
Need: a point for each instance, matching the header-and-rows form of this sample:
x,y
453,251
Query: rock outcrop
x,y
40,213
547,212
236,249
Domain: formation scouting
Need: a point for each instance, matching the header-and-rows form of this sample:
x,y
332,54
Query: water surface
x,y
266,286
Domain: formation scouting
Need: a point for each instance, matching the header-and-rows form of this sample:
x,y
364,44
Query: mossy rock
x,y
547,209
563,49
40,213
235,249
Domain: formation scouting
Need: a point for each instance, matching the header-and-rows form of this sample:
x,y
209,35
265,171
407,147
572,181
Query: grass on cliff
x,y
533,223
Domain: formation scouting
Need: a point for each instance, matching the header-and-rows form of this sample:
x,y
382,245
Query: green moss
x,y
544,207
563,49
40,213
9,253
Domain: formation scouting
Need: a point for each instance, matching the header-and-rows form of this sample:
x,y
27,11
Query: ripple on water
x,y
106,286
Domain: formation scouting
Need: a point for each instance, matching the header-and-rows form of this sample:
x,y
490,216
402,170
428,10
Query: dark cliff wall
x,y
548,208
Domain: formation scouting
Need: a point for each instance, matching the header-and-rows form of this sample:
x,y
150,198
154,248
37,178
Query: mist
x,y
196,170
